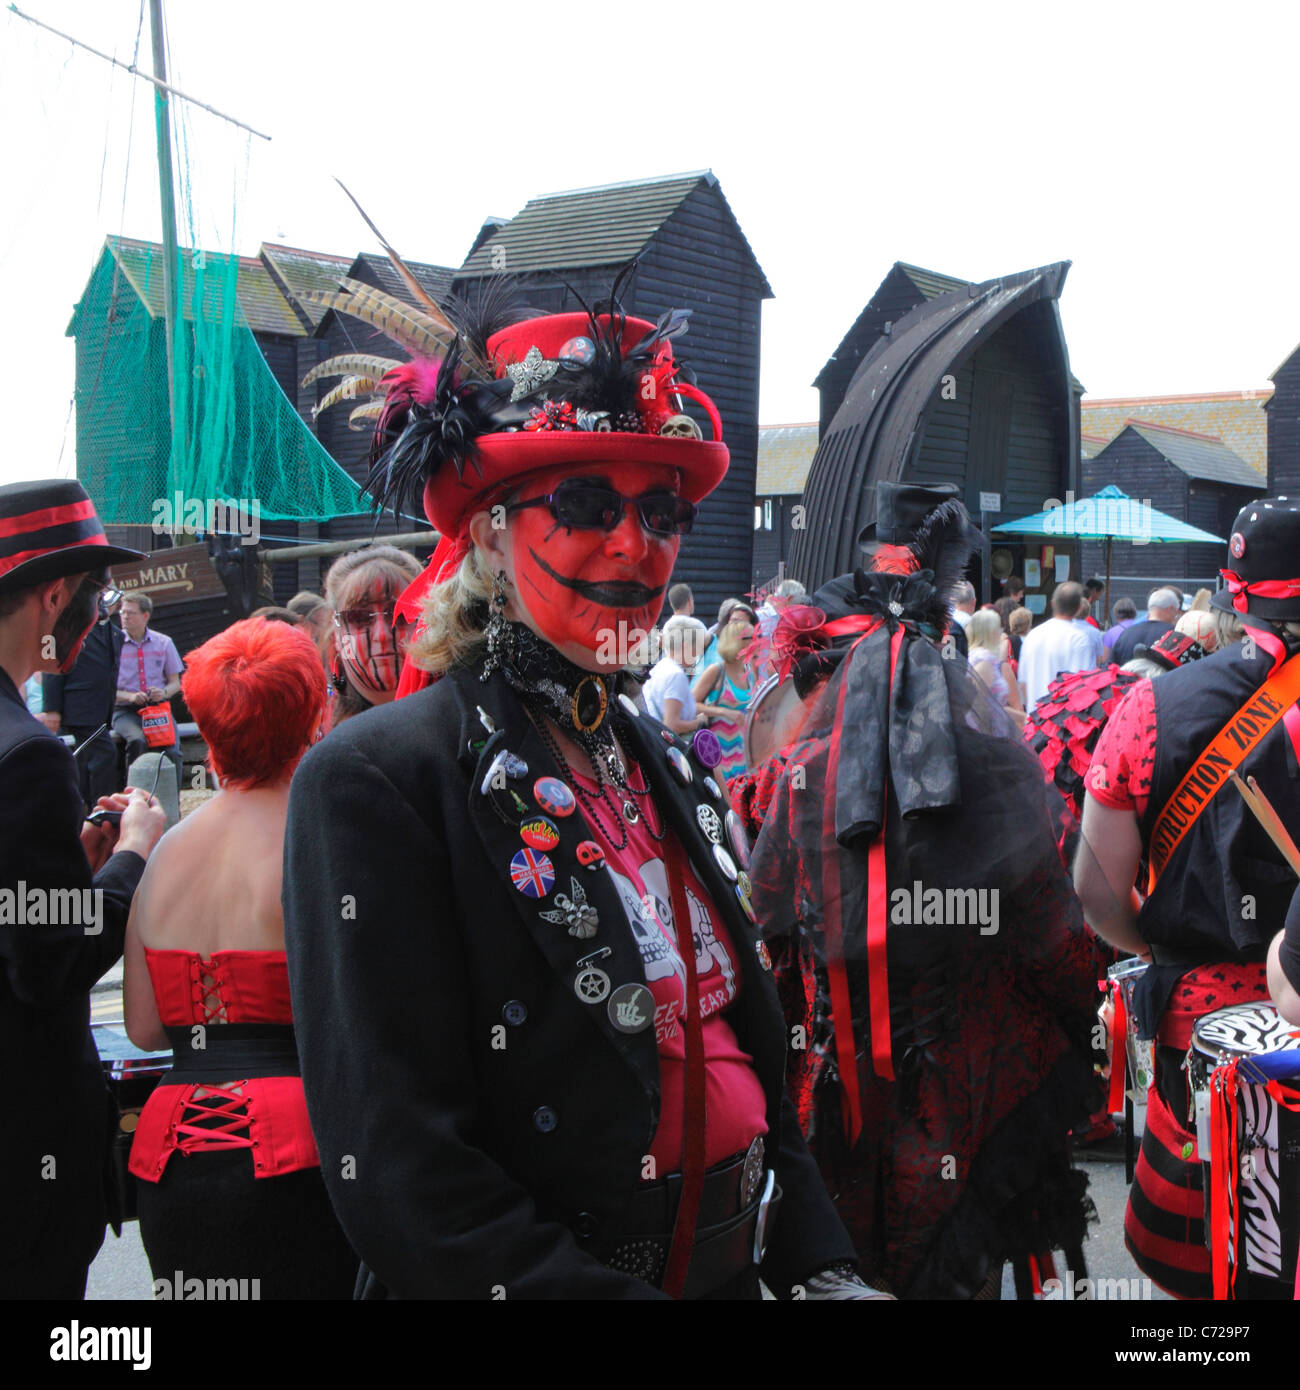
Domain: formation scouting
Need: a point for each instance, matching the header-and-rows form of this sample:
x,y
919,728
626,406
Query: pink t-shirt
x,y
736,1107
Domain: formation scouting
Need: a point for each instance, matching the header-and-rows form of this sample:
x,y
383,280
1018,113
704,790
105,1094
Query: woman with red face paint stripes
x,y
542,1052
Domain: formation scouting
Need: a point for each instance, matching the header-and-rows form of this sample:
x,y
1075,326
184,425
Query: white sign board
x,y
990,501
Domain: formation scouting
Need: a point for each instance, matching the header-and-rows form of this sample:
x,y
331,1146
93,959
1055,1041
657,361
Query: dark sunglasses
x,y
590,507
363,617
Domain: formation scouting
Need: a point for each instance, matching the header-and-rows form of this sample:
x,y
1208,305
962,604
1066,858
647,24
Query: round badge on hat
x,y
532,873
631,1008
681,768
553,796
1237,545
539,833
706,748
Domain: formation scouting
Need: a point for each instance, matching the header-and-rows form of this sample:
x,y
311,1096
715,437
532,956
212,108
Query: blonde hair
x,y
455,615
984,630
1020,621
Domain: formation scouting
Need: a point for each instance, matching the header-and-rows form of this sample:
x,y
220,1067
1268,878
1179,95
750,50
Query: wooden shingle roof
x,y
1235,417
785,453
1198,455
263,305
436,279
590,226
300,272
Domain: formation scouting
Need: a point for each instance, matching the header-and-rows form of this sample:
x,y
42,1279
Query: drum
x,y
131,1074
1140,1056
1266,1186
773,721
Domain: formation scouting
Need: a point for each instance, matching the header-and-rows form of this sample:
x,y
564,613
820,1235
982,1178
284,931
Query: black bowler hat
x,y
1262,577
901,508
49,529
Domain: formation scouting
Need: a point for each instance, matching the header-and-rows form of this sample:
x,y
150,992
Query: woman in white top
x,y
667,693
989,650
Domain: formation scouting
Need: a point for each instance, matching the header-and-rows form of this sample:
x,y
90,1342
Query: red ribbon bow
x,y
1242,590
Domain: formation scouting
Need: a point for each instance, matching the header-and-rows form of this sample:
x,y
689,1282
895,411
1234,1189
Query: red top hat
x,y
49,529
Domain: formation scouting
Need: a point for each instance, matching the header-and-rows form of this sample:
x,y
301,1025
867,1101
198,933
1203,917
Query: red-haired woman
x,y
206,974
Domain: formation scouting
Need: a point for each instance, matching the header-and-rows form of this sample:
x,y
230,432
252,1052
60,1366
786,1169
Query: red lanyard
x,y
139,660
688,1209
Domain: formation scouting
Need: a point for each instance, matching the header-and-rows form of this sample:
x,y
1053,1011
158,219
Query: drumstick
x,y
1263,811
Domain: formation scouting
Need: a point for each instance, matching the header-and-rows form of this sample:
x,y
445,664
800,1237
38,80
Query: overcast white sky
x,y
1152,144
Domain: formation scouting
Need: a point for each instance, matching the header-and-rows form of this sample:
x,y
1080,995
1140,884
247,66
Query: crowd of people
x,y
495,968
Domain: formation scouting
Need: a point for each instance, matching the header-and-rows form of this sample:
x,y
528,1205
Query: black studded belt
x,y
737,1207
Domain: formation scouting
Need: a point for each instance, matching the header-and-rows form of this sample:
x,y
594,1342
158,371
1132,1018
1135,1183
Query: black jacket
x,y
478,1124
86,695
55,1093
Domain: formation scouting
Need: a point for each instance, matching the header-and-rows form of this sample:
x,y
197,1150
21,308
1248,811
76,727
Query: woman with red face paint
x,y
528,1077
364,649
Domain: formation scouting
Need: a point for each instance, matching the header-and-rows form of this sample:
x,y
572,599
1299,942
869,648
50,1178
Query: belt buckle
x,y
751,1172
760,1225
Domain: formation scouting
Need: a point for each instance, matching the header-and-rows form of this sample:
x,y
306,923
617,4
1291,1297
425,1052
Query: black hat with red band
x,y
1263,575
50,529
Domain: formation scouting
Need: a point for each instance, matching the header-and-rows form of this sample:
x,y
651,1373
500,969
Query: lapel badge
x,y
592,984
713,789
553,796
629,706
739,839
504,765
707,749
486,719
539,833
532,873
764,955
725,862
574,913
709,823
681,768
631,1008
668,736
744,884
748,908
751,1172
591,856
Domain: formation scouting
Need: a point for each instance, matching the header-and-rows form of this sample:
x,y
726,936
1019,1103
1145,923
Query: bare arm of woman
x,y
139,1007
704,686
673,718
1015,706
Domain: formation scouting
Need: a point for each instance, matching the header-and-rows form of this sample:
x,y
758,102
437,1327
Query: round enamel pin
x,y
553,796
738,838
713,789
681,768
706,748
532,873
591,856
764,955
725,862
631,1008
539,833
709,823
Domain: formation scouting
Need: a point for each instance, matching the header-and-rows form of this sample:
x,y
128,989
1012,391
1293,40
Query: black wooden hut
x,y
691,254
1193,477
1284,429
972,385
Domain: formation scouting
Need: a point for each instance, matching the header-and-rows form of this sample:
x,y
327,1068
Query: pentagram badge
x,y
531,374
709,823
592,985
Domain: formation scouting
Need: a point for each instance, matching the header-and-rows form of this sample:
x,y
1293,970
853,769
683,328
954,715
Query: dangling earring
x,y
499,632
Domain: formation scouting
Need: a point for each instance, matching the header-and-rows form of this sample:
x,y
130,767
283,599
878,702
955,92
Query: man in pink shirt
x,y
149,673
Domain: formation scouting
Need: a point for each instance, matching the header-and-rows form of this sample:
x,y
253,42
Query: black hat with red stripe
x,y
49,529
1263,577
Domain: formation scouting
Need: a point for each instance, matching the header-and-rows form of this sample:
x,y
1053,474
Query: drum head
x,y
775,715
1244,1030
